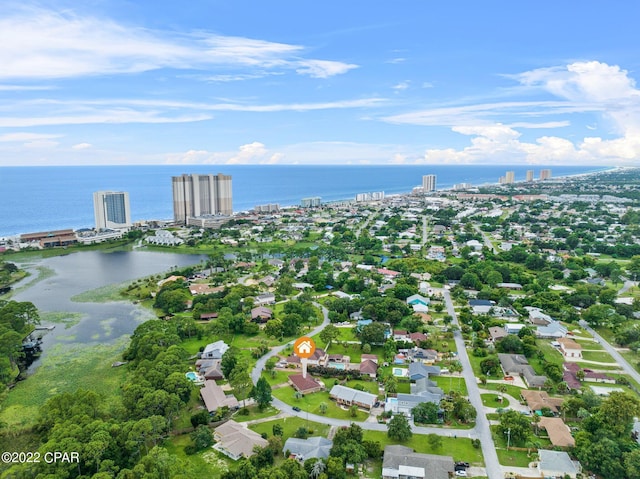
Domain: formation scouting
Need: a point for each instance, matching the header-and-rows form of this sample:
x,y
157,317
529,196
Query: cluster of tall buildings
x,y
197,200
196,196
510,177
373,196
311,202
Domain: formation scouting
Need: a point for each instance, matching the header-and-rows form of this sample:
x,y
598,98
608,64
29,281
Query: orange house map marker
x,y
304,348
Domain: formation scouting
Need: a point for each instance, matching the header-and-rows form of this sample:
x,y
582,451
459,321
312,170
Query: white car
x,y
461,473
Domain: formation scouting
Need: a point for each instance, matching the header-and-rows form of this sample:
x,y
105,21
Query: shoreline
x,y
448,188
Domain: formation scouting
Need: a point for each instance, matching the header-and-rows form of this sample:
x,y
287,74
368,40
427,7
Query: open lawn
x,y
353,351
602,357
512,391
207,463
451,383
255,413
368,386
311,403
459,448
289,426
280,377
65,369
492,400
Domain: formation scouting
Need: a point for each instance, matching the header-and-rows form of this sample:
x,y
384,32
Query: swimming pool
x,y
337,365
191,376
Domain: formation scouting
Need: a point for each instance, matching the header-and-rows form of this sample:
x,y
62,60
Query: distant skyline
x,y
288,82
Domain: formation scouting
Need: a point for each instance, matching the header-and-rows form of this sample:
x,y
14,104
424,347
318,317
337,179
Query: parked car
x,y
461,473
296,409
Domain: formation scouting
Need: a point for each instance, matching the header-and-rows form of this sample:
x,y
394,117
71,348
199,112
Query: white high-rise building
x,y
111,210
428,183
201,195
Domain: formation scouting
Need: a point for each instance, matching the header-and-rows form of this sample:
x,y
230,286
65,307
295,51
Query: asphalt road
x,y
630,370
481,430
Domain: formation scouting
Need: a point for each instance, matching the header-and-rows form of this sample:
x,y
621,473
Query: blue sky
x,y
335,82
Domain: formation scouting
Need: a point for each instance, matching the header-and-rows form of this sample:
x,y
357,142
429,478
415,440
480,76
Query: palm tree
x,y
323,408
503,389
317,469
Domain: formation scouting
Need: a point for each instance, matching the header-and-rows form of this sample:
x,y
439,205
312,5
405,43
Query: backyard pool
x,y
191,376
336,365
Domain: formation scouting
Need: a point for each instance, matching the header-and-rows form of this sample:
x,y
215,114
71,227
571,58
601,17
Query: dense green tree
x,y
202,437
516,426
399,428
262,393
426,413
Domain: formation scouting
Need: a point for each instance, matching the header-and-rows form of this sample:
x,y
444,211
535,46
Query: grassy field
x,y
460,448
289,426
255,413
369,386
311,403
513,391
602,357
65,369
492,400
207,463
353,351
451,383
110,292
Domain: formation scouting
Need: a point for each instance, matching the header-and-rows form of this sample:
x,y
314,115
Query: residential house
x,y
420,371
368,368
311,448
517,364
553,330
400,462
514,286
481,306
558,432
426,356
261,314
214,350
537,317
419,303
538,400
198,288
570,349
557,465
350,396
514,328
265,298
496,333
400,335
305,385
235,441
417,337
214,397
210,369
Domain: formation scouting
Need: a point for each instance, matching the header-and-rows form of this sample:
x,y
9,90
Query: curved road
x,y
480,431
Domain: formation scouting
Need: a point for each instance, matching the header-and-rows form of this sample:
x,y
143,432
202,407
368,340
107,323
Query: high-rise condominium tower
x,y
428,183
200,195
545,174
510,177
111,209
529,175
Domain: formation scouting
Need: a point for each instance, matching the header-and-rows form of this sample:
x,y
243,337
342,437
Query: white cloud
x,y
403,85
249,153
323,68
40,43
82,146
57,112
580,87
25,136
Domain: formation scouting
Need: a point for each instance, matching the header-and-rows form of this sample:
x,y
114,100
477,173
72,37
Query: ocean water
x,y
36,199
